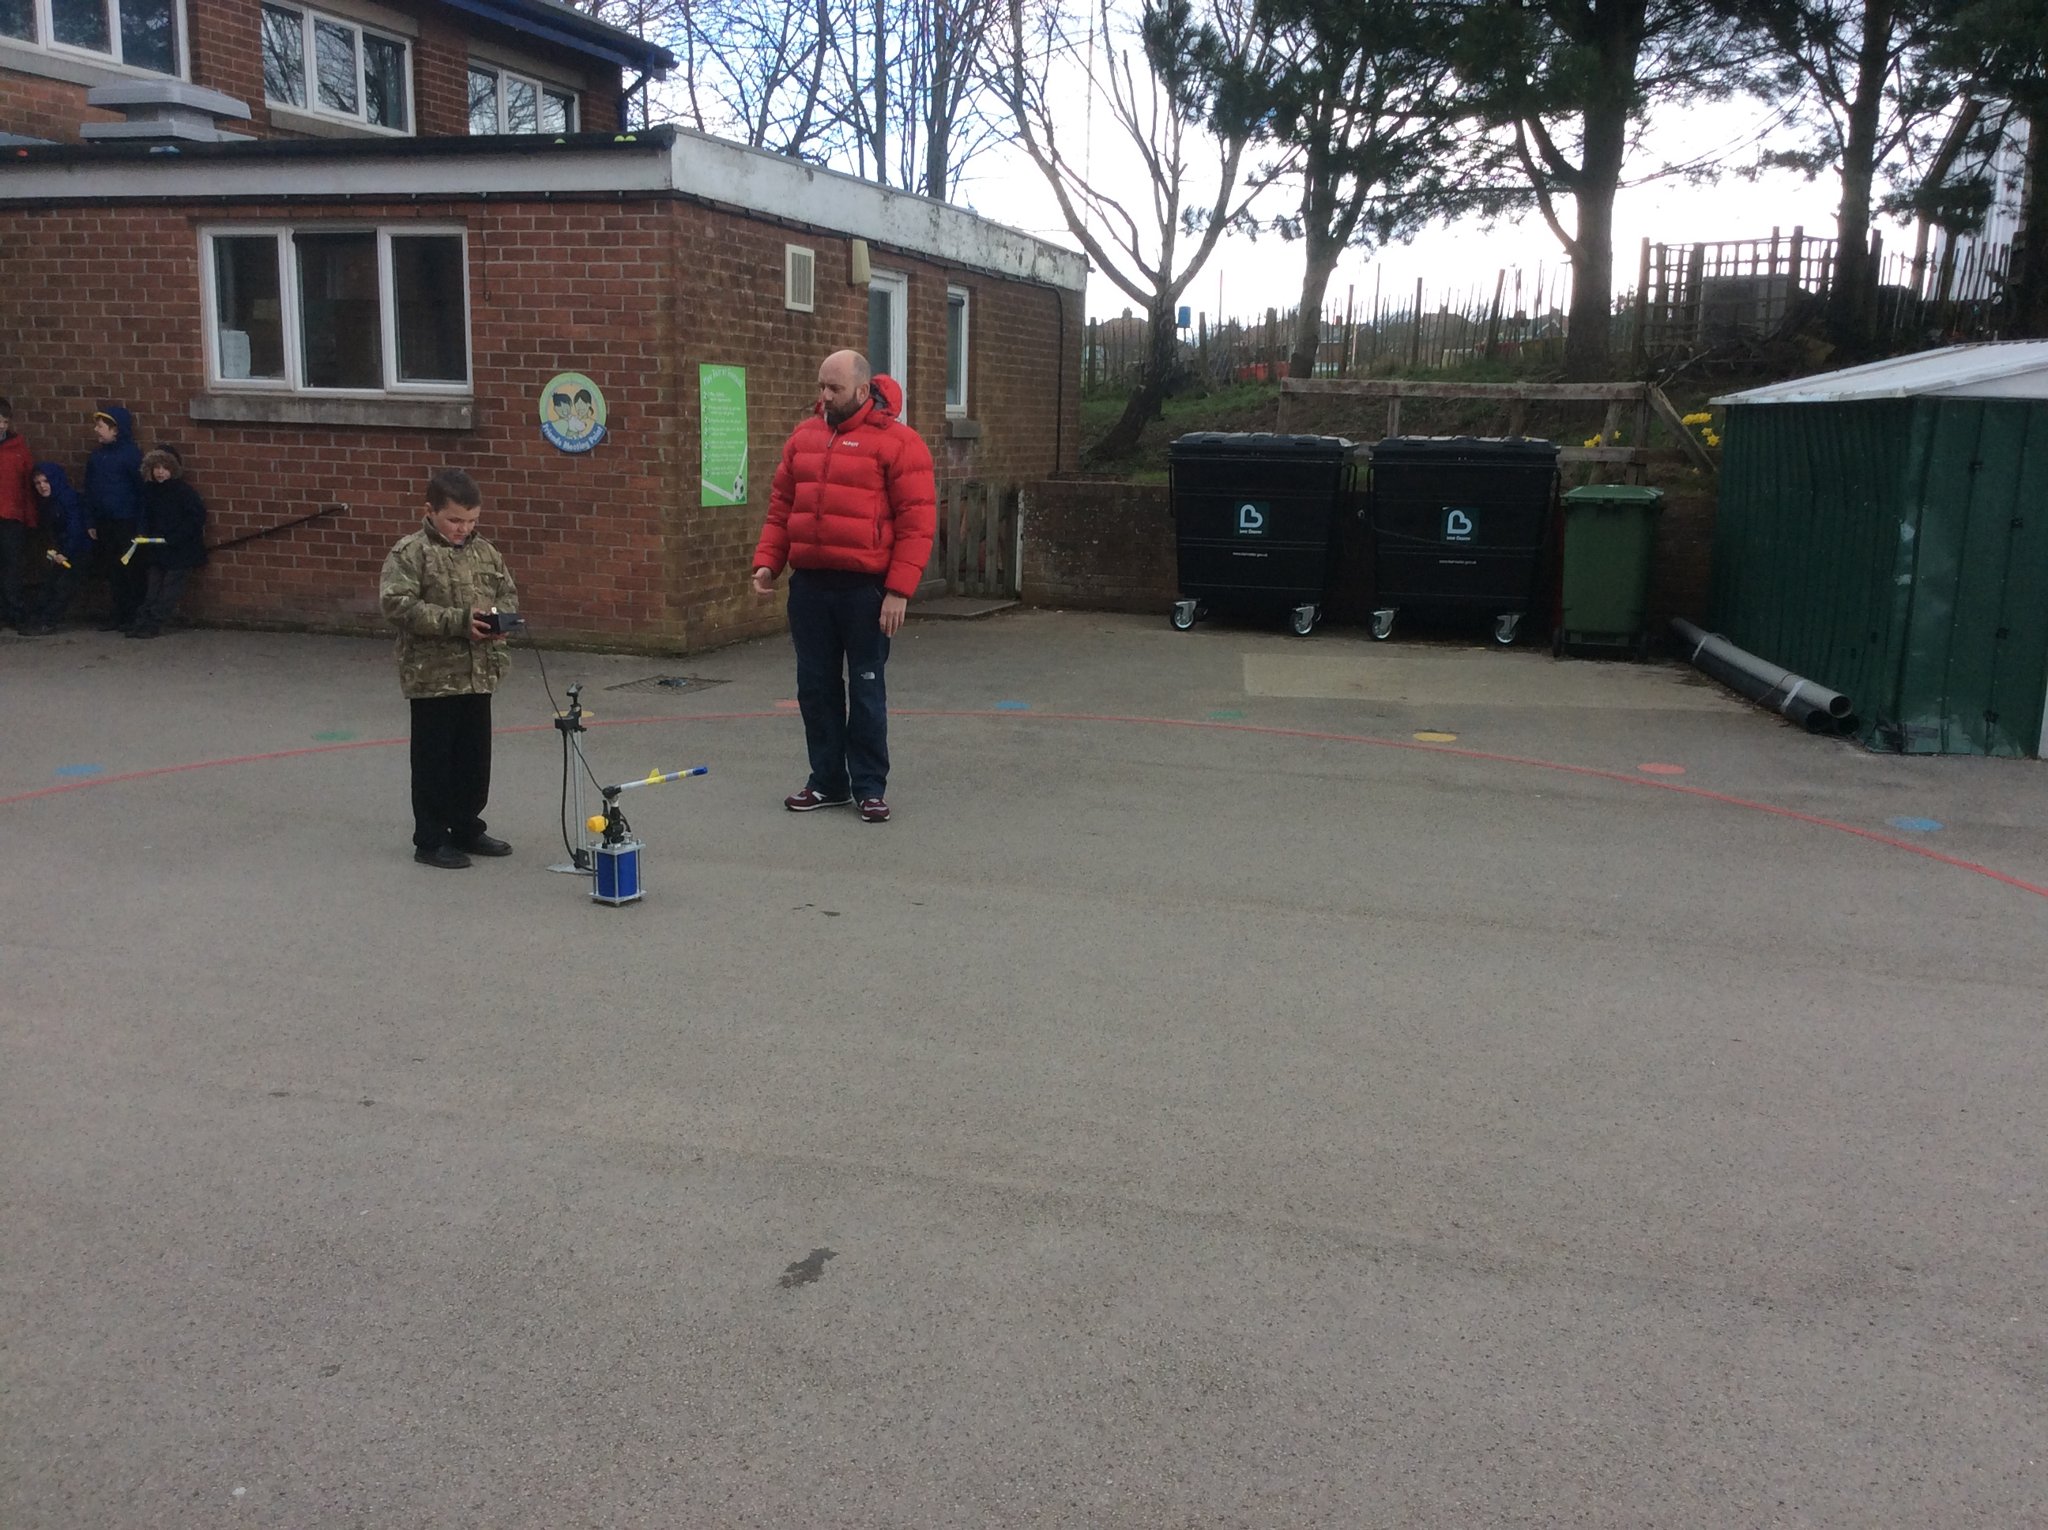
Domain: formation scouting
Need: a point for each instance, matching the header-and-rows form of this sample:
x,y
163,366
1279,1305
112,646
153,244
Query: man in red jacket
x,y
851,513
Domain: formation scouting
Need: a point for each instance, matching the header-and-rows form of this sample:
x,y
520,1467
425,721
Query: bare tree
x,y
1179,135
908,94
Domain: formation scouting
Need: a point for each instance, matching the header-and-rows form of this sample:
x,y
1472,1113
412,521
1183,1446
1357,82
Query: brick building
x,y
323,250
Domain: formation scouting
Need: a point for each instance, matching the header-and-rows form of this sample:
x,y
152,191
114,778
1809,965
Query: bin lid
x,y
1615,494
1489,449
1264,444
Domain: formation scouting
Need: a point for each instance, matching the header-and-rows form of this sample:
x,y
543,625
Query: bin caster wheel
x,y
1505,627
1184,614
1304,620
1382,625
1557,642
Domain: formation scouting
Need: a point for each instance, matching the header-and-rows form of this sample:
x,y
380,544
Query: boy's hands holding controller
x,y
490,626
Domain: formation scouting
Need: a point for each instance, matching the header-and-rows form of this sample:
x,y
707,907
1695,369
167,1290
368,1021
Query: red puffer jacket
x,y
860,497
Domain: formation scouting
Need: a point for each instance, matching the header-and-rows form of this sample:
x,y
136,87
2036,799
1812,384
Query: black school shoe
x,y
484,844
447,857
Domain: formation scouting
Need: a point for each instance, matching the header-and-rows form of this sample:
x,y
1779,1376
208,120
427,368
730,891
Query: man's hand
x,y
480,627
764,584
893,607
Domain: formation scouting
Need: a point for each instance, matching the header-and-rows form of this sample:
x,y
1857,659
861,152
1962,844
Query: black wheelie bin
x,y
1255,520
1462,525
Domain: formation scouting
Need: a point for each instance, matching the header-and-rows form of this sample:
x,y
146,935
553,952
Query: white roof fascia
x,y
169,177
1991,369
788,188
747,180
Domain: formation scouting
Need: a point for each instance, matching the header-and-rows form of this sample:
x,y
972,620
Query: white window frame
x,y
293,383
956,408
485,66
308,56
898,283
45,41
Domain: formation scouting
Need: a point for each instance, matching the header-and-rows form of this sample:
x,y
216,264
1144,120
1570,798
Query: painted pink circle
x,y
1662,770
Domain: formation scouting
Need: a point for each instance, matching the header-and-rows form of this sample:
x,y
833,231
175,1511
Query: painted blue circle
x,y
1013,706
81,770
1916,825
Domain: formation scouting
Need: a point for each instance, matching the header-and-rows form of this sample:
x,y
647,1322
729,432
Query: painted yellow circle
x,y
1429,737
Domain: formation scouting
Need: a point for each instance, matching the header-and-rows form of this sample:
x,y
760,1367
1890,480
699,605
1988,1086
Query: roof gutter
x,y
599,41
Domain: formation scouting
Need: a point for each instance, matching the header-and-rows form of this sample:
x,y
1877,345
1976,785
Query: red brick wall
x,y
729,300
225,50
39,108
1099,544
609,545
115,294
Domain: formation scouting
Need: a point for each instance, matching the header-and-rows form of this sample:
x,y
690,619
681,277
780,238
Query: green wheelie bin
x,y
1609,532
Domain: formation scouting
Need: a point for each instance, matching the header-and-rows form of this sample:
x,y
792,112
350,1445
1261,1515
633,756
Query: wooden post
x,y
1639,471
1394,415
1414,335
1500,283
1643,304
1344,356
1796,258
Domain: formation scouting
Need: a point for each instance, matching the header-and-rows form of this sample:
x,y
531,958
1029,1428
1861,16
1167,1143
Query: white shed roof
x,y
1991,369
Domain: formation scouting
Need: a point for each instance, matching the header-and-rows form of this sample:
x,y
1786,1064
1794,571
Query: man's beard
x,y
838,417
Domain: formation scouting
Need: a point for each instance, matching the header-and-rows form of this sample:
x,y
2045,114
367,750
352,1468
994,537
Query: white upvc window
x,y
889,326
334,67
956,350
144,35
337,309
501,101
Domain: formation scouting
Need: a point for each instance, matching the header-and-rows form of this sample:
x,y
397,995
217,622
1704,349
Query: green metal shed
x,y
1884,531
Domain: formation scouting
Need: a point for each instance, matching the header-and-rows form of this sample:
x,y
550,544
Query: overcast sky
x,y
1255,275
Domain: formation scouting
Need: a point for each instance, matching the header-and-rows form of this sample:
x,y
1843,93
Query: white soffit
x,y
1992,369
747,180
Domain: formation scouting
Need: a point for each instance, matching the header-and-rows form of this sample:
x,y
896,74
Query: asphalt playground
x,y
1253,1082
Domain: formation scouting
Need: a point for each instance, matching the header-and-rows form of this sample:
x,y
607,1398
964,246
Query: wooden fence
x,y
978,545
1686,298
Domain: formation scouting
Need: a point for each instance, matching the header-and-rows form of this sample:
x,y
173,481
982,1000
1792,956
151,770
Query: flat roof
x,y
1987,369
654,161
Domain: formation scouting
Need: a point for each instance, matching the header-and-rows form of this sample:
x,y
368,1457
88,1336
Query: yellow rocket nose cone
x,y
594,823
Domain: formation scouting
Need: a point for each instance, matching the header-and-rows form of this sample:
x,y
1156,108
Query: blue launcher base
x,y
615,877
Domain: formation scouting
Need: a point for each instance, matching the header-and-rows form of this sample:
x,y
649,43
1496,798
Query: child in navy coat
x,y
68,524
172,510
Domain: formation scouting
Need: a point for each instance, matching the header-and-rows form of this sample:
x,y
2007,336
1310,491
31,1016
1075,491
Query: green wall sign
x,y
722,416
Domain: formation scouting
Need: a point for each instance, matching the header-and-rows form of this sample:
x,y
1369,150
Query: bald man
x,y
851,514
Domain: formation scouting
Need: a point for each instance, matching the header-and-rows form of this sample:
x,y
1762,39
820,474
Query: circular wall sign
x,y
572,412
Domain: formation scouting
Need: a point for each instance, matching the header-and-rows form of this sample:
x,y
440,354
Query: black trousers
x,y
127,582
451,768
13,565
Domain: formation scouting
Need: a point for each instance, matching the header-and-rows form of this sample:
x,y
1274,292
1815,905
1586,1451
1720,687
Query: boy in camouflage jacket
x,y
440,587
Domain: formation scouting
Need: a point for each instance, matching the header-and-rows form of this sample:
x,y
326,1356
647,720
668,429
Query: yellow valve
x,y
594,823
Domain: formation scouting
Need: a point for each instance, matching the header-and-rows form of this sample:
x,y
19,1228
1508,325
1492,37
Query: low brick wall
x,y
1099,544
1107,545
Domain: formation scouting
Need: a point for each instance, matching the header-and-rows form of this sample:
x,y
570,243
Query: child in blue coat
x,y
113,492
68,524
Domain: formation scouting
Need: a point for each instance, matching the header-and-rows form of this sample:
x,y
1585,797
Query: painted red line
x,y
1595,772
153,771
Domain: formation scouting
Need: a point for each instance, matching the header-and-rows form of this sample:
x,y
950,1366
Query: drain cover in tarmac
x,y
669,684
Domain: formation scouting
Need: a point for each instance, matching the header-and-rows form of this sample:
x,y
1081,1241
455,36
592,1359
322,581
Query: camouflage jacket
x,y
428,589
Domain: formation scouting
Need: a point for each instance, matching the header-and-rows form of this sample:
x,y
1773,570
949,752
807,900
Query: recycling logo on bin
x,y
1251,519
1458,525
